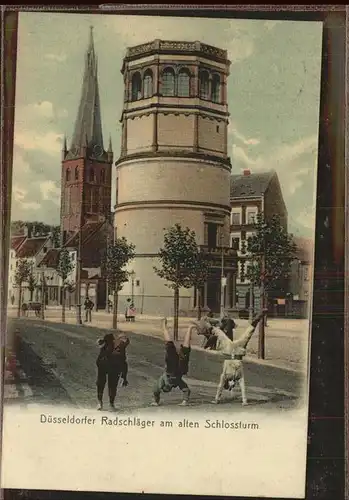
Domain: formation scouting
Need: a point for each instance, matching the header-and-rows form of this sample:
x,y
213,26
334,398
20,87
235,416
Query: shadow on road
x,y
44,384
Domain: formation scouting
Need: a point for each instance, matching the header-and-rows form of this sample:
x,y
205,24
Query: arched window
x,y
67,175
216,88
76,173
92,175
168,82
102,175
184,83
136,91
148,84
204,85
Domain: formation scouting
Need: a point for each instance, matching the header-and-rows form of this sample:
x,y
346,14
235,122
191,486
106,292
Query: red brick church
x,y
86,182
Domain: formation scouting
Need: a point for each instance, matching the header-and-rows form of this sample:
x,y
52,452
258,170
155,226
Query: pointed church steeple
x,y
88,123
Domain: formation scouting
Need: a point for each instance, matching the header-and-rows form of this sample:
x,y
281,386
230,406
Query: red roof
x,y
51,259
16,242
31,247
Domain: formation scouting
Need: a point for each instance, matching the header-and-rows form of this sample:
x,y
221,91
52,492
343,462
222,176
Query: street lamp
x,y
223,279
132,274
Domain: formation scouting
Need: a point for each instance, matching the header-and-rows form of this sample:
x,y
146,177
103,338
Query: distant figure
x,y
88,305
111,365
12,299
130,313
110,305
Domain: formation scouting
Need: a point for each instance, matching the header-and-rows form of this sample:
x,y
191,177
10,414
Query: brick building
x,y
250,194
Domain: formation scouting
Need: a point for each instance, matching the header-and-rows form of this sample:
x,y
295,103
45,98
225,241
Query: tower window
x,y
168,82
204,85
136,92
67,175
212,234
217,128
216,87
102,175
183,83
148,84
77,173
92,175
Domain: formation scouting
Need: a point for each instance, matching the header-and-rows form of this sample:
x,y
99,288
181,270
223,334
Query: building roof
x,y
305,248
16,242
51,258
30,247
88,230
249,184
87,135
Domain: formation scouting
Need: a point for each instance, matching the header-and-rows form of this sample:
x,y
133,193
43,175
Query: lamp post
x,y
78,280
132,274
43,294
223,279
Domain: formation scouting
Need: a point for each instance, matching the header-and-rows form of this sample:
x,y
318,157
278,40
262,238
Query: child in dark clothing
x,y
111,364
176,365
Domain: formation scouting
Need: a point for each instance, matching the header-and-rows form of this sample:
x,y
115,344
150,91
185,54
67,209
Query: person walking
x,y
111,366
88,305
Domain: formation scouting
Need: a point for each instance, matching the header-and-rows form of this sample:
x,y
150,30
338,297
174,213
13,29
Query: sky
x,y
273,98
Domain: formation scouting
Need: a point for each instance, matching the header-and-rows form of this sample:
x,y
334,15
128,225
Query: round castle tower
x,y
173,166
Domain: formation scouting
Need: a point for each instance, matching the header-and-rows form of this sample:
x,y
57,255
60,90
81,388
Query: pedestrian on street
x,y
88,309
111,365
176,365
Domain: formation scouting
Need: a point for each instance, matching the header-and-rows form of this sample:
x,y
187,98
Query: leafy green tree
x,y
32,284
270,252
21,275
64,269
117,257
182,265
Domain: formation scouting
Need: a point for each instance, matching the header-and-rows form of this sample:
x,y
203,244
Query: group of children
x,y
112,363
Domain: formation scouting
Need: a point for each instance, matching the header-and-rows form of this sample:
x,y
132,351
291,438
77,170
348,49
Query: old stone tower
x,y
174,166
86,165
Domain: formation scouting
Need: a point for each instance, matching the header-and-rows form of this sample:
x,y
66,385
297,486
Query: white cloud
x,y
56,57
292,169
236,36
248,142
49,142
50,191
19,196
20,166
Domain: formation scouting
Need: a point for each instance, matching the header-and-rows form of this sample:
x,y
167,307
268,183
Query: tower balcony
x,y
216,254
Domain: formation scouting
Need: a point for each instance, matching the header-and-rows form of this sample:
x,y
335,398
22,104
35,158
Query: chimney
x,y
247,172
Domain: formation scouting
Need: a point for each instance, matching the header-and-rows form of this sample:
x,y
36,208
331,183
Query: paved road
x,y
59,362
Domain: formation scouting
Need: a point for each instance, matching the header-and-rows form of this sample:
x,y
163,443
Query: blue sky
x,y
273,97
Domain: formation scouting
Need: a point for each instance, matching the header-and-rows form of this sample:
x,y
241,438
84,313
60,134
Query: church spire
x,y
88,123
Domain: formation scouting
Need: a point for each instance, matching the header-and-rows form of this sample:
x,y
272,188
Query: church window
x,y
168,82
92,175
67,175
136,91
95,198
216,86
204,85
183,83
148,84
76,173
102,175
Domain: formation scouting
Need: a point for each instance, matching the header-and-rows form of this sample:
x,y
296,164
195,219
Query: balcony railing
x,y
217,251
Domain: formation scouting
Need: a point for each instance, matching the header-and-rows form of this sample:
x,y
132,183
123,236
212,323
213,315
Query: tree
x,y
64,269
182,265
21,275
70,288
270,252
32,284
116,258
